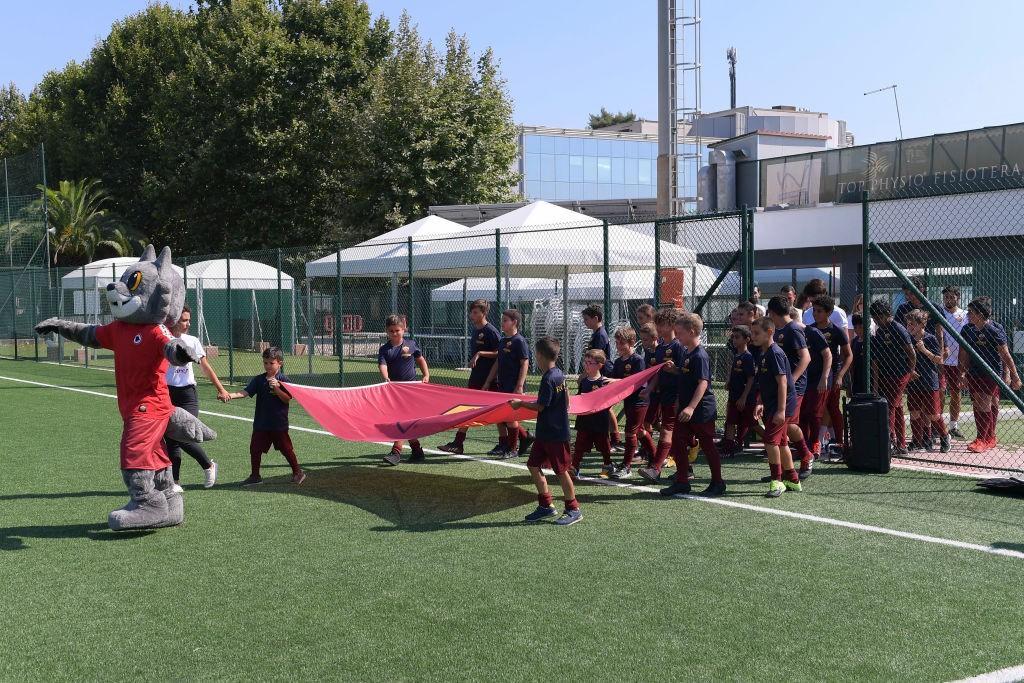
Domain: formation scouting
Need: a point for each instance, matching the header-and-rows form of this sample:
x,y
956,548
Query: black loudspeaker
x,y
867,427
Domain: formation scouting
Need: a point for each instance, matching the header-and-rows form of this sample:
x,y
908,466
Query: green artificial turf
x,y
427,572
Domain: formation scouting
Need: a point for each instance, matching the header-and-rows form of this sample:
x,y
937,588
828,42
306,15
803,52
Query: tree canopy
x,y
258,123
606,118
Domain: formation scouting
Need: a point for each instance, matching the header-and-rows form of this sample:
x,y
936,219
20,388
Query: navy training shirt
x,y
816,343
512,351
599,341
930,326
742,369
791,340
553,418
986,342
888,349
836,338
857,369
622,368
650,358
696,366
667,351
928,379
400,360
271,412
485,338
597,422
773,363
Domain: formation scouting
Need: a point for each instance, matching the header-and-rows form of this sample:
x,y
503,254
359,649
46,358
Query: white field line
x,y
1010,674
963,545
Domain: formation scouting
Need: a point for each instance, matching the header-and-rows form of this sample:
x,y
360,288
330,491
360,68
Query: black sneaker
x,y
526,443
650,474
900,450
714,489
944,444
499,449
915,446
803,474
956,434
252,480
418,455
676,488
453,448
393,458
766,478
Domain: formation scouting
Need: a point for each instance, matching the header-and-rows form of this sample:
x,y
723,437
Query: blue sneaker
x,y
569,517
541,513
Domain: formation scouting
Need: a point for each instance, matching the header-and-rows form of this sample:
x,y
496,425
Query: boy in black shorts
x,y
551,446
485,350
508,375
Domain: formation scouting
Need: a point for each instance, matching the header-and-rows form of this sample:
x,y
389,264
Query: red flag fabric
x,y
412,410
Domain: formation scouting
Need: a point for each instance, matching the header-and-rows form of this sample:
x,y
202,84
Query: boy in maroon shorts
x,y
551,445
988,339
485,350
892,360
664,386
592,430
791,337
778,406
697,409
923,400
629,363
649,344
270,423
739,415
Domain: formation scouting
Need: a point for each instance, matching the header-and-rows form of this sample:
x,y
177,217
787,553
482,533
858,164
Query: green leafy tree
x,y
12,108
77,211
605,118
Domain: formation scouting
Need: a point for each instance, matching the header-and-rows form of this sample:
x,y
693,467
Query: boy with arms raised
x,y
508,375
551,447
664,386
778,406
397,361
485,351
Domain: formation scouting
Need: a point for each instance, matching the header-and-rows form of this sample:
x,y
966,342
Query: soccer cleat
x,y
650,474
393,458
978,446
252,480
816,451
675,489
766,478
618,447
714,489
542,512
299,478
804,473
623,473
775,489
915,446
900,450
498,449
508,454
569,517
452,447
944,444
575,472
525,444
792,485
211,475
417,455
956,433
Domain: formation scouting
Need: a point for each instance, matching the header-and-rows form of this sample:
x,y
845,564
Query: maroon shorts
x,y
793,419
261,441
776,435
927,402
979,384
735,416
952,378
142,443
552,454
813,403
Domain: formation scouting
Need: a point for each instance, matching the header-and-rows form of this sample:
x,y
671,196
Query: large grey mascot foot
x,y
164,482
147,507
186,428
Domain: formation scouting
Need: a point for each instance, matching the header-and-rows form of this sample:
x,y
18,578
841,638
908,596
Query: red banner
x,y
412,410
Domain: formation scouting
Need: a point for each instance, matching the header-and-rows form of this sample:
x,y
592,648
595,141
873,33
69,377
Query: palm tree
x,y
124,242
77,210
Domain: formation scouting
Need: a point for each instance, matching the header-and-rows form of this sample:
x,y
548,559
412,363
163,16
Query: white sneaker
x,y
177,489
211,476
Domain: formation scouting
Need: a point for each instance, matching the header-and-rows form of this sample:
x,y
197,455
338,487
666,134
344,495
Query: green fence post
x,y
607,274
657,263
85,316
10,230
32,316
14,315
752,264
309,325
280,306
339,318
497,270
231,322
865,287
412,293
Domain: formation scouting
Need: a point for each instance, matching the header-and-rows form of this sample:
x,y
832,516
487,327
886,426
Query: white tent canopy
x,y
98,274
244,275
391,245
625,285
531,245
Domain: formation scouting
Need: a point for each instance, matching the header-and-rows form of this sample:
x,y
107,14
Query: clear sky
x,y
956,63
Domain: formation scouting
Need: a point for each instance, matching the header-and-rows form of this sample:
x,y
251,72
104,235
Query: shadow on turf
x,y
13,538
64,494
409,498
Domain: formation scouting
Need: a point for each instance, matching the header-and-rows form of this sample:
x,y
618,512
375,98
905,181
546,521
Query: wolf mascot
x,y
148,295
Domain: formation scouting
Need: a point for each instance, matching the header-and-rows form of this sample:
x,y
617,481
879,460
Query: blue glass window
x,y
604,169
590,170
533,189
576,146
618,191
618,148
618,170
575,190
632,149
547,190
532,144
576,169
547,144
604,148
562,167
561,191
561,145
532,167
547,166
604,191
632,191
631,171
590,147
644,171
590,190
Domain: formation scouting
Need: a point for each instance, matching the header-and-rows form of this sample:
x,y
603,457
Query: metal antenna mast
x,y
895,99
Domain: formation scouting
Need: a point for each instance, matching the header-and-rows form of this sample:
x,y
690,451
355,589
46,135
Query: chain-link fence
x,y
948,316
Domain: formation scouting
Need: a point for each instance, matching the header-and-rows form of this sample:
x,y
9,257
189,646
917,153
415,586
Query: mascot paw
x,y
47,326
147,507
186,428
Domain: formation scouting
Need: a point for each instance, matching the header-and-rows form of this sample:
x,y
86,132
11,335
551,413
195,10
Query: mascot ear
x,y
149,254
163,262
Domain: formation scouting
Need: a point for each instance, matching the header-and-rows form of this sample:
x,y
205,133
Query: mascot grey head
x,y
150,292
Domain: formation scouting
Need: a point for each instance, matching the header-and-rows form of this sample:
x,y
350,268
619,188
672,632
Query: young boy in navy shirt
x,y
778,406
629,363
857,350
790,336
551,446
739,416
892,360
923,399
652,416
988,339
592,430
842,359
819,374
697,409
270,423
508,375
485,351
593,320
397,360
664,386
